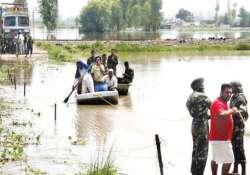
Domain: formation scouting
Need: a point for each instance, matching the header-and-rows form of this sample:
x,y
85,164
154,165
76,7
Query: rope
x,y
163,142
147,114
132,149
138,157
107,101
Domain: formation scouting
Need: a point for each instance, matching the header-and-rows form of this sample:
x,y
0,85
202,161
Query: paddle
x,y
74,87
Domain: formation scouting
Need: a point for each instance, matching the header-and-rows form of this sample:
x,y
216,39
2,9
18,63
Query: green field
x,y
72,52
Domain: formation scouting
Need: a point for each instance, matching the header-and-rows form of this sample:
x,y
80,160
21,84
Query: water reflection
x,y
73,34
93,122
20,70
127,101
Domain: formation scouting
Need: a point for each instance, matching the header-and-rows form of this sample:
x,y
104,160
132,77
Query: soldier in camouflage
x,y
239,101
198,105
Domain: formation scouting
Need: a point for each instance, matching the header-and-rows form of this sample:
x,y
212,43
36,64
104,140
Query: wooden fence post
x,y
55,112
158,146
15,82
24,89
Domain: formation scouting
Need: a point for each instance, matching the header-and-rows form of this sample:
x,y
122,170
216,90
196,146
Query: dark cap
x,y
196,82
235,83
237,87
81,65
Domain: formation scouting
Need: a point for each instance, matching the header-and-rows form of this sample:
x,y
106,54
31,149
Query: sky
x,y
203,8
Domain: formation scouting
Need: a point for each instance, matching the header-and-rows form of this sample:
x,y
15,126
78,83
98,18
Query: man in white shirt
x,y
83,78
111,80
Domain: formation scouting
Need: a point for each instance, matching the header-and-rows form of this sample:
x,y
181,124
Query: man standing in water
x,y
198,105
29,46
239,101
221,131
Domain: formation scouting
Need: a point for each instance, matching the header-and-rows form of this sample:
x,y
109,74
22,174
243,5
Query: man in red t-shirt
x,y
221,128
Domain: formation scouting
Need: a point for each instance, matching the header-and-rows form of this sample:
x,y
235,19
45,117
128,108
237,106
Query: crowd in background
x,y
18,43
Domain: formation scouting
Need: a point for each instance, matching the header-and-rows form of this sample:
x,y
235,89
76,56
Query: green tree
x,y
146,14
244,17
146,11
125,11
185,15
217,9
77,21
20,1
113,15
49,13
95,17
156,15
135,16
226,18
234,11
117,20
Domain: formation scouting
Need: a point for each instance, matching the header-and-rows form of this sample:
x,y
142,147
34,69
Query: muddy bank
x,y
167,42
37,55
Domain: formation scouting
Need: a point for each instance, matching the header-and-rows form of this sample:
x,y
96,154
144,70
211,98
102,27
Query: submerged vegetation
x,y
13,139
13,143
72,52
15,135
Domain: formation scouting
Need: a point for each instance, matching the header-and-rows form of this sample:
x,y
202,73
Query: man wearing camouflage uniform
x,y
239,101
198,105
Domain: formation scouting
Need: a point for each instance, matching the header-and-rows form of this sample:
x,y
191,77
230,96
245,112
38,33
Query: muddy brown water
x,y
155,105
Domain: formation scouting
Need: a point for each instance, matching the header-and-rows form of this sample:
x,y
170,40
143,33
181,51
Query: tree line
x,y
229,17
244,17
116,15
108,15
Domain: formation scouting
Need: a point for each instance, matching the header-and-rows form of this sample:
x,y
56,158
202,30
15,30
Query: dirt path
x,y
38,54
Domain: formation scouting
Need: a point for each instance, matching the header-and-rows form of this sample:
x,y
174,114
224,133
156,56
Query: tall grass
x,y
242,46
102,166
56,52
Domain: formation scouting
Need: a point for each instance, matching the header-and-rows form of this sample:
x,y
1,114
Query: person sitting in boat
x,y
110,80
83,79
97,70
128,75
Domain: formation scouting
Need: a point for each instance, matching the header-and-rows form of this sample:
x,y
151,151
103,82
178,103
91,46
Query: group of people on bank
x,y
227,115
19,43
99,73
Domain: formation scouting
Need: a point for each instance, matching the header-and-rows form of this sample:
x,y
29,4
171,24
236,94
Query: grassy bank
x,y
72,52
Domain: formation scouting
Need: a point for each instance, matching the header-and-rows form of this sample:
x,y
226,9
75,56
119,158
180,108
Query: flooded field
x,y
73,34
155,105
